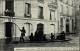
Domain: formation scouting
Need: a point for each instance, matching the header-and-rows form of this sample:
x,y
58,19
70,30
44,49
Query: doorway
x,y
67,28
8,29
67,25
39,32
40,27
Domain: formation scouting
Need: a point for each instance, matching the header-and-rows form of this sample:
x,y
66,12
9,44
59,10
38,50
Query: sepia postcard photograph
x,y
39,25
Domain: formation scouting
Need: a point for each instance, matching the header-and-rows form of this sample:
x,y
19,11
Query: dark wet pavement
x,y
74,42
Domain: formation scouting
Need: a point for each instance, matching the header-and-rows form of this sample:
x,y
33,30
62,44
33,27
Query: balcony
x,y
11,13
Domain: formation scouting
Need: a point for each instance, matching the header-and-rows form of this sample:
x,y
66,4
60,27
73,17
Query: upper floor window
x,y
72,24
9,8
68,10
27,9
50,15
61,20
41,12
61,8
9,5
72,11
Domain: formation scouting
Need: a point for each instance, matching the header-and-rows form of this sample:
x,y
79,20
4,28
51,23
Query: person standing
x,y
31,37
52,37
23,31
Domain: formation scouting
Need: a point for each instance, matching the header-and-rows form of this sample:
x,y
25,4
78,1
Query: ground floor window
x,y
72,24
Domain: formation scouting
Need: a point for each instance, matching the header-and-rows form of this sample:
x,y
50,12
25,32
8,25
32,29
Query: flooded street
x,y
74,42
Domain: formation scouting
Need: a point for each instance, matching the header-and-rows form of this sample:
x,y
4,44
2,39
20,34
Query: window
x,y
28,8
68,10
72,24
9,8
61,8
40,12
61,20
9,5
50,15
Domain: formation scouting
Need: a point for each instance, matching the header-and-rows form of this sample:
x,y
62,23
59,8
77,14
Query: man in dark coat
x,y
31,37
23,31
52,37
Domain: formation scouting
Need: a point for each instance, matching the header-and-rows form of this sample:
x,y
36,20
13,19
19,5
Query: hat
x,y
22,27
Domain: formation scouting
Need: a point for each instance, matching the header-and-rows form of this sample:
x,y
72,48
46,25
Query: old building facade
x,y
67,15
51,16
77,14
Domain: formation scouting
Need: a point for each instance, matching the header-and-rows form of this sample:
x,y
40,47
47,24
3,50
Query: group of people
x,y
39,36
34,38
61,36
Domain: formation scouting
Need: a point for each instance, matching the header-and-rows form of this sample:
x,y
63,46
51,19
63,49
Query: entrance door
x,y
67,28
39,32
40,27
8,29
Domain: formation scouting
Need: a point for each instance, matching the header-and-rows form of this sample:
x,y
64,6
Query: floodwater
x,y
74,42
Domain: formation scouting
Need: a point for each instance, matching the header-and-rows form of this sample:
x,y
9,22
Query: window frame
x,y
28,8
40,12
